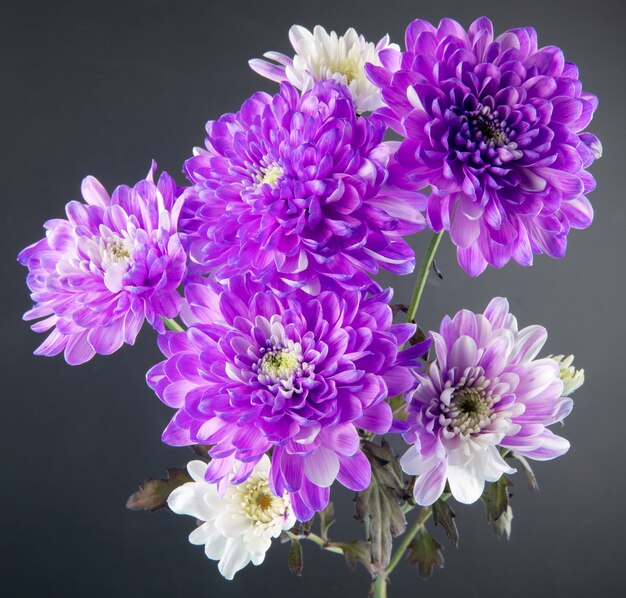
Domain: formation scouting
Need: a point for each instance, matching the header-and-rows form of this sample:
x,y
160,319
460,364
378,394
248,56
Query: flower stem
x,y
172,325
408,538
423,275
319,541
379,587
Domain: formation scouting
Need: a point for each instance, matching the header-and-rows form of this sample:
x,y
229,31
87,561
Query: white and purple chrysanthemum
x,y
115,262
484,390
290,189
255,372
494,126
321,56
235,527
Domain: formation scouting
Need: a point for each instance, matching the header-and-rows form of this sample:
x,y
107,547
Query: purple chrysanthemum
x,y
494,126
485,389
299,375
290,189
114,262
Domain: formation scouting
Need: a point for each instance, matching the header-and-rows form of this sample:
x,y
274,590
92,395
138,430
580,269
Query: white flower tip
x,y
297,33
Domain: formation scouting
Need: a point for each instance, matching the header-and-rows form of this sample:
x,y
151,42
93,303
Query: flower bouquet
x,y
286,365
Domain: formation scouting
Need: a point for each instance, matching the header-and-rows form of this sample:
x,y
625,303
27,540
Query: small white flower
x,y
321,56
572,378
237,528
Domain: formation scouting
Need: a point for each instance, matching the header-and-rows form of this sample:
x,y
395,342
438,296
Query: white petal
x,y
215,548
188,499
231,524
113,277
495,465
215,545
234,559
257,558
322,467
263,466
466,482
413,463
258,544
202,534
197,470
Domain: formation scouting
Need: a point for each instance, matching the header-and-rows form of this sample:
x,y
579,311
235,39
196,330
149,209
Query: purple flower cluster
x,y
494,126
290,189
300,374
295,202
115,262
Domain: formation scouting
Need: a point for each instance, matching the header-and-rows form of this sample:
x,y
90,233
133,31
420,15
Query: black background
x,y
101,88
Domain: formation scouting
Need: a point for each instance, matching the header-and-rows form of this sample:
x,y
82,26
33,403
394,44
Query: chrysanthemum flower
x,y
238,525
290,189
494,126
484,390
113,263
321,56
254,371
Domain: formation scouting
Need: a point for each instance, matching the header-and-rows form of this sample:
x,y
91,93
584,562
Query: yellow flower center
x,y
269,175
349,69
118,249
257,502
279,364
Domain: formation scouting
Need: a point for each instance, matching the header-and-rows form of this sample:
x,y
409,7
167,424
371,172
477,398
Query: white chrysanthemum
x,y
572,378
237,528
321,56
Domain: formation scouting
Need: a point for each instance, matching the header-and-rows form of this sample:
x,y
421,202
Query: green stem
x,y
408,538
379,587
319,541
172,325
423,275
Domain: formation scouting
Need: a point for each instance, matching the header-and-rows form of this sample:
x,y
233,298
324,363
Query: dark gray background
x,y
103,87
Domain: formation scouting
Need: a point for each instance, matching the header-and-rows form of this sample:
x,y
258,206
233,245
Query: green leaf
x,y
425,552
381,502
153,493
496,498
327,518
358,552
294,560
444,515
